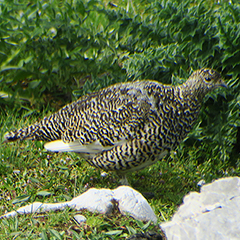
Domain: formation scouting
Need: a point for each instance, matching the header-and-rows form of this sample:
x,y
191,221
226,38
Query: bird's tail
x,y
22,133
43,130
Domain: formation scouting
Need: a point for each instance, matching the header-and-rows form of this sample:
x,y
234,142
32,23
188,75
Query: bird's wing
x,y
75,146
101,121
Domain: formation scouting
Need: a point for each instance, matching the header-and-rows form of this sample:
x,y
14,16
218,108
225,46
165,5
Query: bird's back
x,y
107,115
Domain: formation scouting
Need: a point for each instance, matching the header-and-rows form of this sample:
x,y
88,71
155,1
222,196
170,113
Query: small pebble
x,y
201,183
62,161
104,174
80,218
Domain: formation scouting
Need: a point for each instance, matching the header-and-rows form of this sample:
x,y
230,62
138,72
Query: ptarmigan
x,y
126,126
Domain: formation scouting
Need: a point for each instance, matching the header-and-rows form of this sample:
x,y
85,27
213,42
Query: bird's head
x,y
211,79
204,80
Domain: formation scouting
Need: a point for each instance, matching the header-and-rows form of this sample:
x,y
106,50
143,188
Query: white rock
x,y
94,200
133,203
32,208
214,213
99,200
52,206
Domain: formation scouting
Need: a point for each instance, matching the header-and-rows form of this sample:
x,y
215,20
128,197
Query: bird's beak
x,y
222,84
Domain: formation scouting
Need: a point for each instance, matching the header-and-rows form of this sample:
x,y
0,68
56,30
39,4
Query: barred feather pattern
x,y
135,123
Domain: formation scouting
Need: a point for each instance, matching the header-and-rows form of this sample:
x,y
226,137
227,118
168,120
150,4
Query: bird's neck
x,y
190,91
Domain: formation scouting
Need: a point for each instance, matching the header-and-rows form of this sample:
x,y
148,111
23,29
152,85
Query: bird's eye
x,y
211,72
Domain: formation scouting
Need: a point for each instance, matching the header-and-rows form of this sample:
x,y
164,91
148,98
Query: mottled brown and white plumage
x,y
126,126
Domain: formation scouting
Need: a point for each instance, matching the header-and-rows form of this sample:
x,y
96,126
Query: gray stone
x,y
80,218
133,203
214,213
101,201
94,200
201,183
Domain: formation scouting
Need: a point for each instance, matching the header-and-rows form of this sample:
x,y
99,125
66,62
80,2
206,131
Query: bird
x,y
127,126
